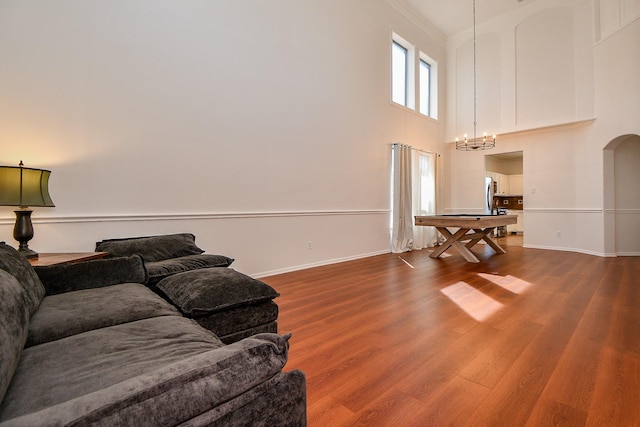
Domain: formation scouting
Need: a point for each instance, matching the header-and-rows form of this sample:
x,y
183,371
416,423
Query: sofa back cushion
x,y
152,248
97,273
14,323
18,266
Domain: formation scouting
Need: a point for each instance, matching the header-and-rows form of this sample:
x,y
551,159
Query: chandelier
x,y
483,142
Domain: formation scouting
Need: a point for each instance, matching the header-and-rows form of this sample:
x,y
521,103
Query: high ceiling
x,y
453,16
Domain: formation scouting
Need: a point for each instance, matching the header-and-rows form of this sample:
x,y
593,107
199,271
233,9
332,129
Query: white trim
x,y
564,210
623,211
193,216
465,210
547,128
319,264
581,251
550,211
410,13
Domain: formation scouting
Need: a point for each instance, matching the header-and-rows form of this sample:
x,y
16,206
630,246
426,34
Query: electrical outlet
x,y
558,234
309,245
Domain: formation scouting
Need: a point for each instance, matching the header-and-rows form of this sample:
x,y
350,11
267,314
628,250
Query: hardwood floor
x,y
529,338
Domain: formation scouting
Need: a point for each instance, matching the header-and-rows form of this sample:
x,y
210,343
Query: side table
x,y
64,258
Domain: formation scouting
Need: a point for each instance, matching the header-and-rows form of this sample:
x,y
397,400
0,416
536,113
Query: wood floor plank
x,y
452,404
439,370
392,408
615,400
551,413
574,378
514,397
490,366
531,337
327,412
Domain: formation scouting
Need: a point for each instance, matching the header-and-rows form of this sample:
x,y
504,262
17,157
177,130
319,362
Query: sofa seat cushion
x,y
152,248
75,312
137,373
210,290
18,266
14,321
158,270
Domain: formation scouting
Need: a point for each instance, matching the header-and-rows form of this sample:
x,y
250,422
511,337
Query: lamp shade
x,y
24,187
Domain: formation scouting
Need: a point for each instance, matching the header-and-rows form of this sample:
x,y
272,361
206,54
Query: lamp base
x,y
23,232
28,253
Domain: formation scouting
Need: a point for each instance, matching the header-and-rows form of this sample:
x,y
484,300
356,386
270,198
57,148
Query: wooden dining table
x,y
470,229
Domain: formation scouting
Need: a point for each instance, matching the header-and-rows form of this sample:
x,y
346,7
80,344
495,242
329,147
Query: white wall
x,y
258,126
570,108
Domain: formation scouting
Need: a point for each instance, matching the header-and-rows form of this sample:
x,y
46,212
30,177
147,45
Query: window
x,y
402,72
428,92
425,87
404,68
399,61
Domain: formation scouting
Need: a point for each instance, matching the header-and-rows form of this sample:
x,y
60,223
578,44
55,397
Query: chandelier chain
x,y
475,103
475,142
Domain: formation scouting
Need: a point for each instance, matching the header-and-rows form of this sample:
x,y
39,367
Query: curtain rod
x,y
417,149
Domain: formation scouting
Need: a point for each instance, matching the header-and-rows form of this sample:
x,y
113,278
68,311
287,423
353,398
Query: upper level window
x,y
399,61
402,72
428,93
406,89
425,87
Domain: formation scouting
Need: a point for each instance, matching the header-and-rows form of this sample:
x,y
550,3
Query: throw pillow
x,y
17,265
152,248
201,292
92,274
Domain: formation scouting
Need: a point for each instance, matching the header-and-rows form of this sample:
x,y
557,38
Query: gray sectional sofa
x,y
93,345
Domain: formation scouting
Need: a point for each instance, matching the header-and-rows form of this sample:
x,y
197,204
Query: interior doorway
x,y
505,174
622,196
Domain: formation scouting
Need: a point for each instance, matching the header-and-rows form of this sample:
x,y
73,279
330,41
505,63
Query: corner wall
x,y
564,176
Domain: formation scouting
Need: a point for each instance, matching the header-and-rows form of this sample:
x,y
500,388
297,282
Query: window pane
x,y
425,87
399,74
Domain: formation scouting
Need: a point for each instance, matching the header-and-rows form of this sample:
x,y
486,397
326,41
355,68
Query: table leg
x,y
454,240
479,235
491,242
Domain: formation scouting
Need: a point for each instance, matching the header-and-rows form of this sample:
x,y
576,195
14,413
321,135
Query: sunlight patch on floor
x,y
508,282
475,303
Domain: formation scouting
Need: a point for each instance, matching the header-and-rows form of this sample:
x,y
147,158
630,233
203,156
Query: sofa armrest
x,y
98,273
174,393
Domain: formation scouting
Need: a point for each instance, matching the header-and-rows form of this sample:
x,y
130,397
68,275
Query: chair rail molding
x,y
193,216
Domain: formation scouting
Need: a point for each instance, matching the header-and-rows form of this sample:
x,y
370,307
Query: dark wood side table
x,y
65,258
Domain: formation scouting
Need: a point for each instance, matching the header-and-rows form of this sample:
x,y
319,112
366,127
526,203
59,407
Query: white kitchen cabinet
x,y
501,181
501,184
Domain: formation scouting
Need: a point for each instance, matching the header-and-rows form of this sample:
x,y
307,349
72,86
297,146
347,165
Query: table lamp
x,y
24,187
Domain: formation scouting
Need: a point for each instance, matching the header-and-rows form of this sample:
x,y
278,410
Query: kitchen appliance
x,y
488,188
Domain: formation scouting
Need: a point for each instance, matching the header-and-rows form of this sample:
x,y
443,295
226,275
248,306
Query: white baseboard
x,y
318,264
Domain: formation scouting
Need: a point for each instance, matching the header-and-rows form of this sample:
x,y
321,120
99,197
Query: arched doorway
x,y
622,196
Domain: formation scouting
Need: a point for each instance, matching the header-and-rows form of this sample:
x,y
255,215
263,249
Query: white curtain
x,y
413,193
424,196
402,214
